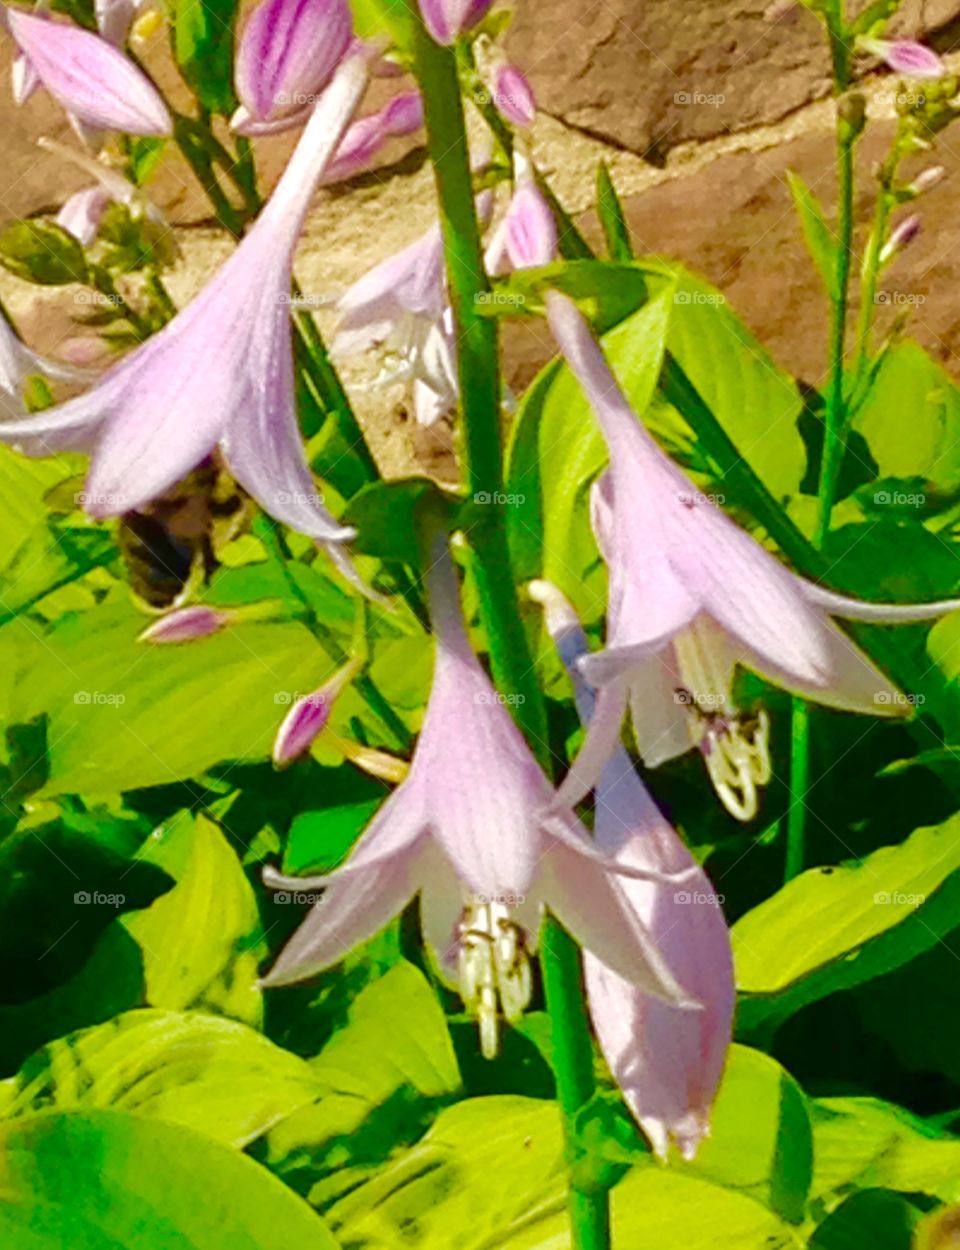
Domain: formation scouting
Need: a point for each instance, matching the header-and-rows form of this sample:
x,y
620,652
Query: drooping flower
x,y
475,829
905,56
308,717
402,305
691,597
446,20
19,362
88,76
287,54
403,115
667,1061
219,374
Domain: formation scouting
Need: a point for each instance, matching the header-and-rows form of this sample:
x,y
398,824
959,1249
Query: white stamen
x,y
495,972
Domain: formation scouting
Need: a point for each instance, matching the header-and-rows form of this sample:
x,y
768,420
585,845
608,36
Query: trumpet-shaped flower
x,y
691,597
667,1061
219,374
402,304
287,53
88,76
476,829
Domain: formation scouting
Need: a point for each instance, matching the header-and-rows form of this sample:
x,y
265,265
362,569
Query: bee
x,y
171,546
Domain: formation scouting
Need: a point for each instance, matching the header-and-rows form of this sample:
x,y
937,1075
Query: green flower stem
x,y
835,424
479,376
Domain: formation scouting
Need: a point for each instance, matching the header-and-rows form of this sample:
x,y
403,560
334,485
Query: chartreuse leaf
x,y
378,19
760,1141
911,419
102,1180
202,941
42,252
124,715
862,1142
214,1075
490,1175
833,928
382,1077
821,243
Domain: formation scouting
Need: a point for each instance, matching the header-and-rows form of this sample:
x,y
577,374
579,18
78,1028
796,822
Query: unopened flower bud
x,y
905,57
927,179
531,232
186,624
448,19
308,717
903,234
512,95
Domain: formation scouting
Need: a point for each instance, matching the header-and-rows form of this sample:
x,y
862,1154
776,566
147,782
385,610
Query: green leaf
x,y
202,941
379,19
925,444
42,252
833,928
320,840
874,1217
125,715
820,240
614,224
862,1142
760,1142
101,1180
374,1094
203,38
213,1075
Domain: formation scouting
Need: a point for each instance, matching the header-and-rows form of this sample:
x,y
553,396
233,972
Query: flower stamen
x,y
495,974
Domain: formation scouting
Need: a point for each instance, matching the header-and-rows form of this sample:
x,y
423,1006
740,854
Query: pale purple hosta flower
x,y
905,57
187,624
402,305
309,716
476,830
287,53
512,94
691,597
446,20
90,78
403,115
667,1061
901,236
219,374
19,362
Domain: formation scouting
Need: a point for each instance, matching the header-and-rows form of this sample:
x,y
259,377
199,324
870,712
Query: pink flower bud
x,y
531,232
446,20
308,717
186,625
288,51
902,235
513,95
906,57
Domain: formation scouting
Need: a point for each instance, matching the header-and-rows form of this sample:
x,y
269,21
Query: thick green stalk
x,y
835,432
479,378
480,391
